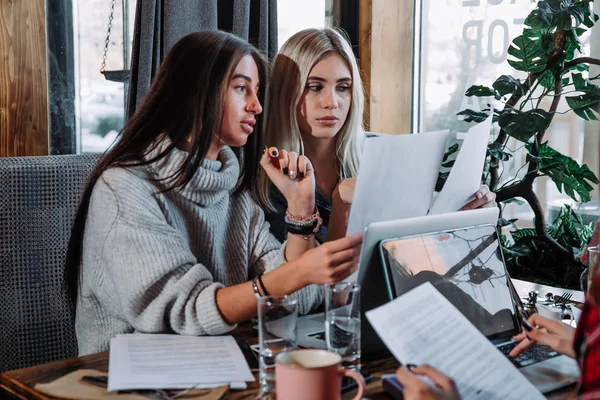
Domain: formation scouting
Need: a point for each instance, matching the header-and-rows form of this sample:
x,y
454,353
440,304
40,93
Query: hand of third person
x,y
484,197
547,331
417,389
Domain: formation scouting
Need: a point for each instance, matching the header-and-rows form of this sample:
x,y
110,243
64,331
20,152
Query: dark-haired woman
x,y
167,238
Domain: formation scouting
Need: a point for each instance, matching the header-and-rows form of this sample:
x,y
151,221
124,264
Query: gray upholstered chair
x,y
38,201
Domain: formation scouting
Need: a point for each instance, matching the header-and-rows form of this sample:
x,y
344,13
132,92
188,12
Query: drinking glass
x,y
277,332
593,268
342,322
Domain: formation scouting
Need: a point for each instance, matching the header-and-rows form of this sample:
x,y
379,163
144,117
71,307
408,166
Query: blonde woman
x,y
314,107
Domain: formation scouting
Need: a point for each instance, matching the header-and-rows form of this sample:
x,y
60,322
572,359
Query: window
x,y
464,43
89,107
100,103
294,16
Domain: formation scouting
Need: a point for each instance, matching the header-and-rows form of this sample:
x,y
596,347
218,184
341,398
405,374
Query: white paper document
x,y
149,361
422,326
465,176
397,178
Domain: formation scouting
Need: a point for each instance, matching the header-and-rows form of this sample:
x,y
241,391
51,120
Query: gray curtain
x,y
159,24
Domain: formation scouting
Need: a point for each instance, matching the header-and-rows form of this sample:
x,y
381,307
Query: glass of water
x,y
277,332
593,269
342,322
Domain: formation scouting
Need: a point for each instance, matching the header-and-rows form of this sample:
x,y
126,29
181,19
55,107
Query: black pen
x,y
526,325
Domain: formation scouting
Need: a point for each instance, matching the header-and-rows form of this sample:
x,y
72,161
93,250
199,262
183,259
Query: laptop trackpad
x,y
552,374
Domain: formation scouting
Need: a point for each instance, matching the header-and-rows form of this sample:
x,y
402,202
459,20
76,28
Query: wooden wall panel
x,y
391,65
364,54
23,78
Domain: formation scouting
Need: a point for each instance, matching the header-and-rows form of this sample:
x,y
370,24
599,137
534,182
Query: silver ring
x,y
292,175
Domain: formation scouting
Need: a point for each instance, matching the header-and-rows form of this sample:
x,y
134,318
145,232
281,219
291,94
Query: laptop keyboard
x,y
534,354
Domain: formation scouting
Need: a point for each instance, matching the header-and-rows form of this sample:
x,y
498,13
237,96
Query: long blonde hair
x,y
298,55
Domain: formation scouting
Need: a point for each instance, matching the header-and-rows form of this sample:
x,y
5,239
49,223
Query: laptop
x,y
311,328
466,265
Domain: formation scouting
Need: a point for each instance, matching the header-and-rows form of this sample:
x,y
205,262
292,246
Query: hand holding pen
x,y
547,331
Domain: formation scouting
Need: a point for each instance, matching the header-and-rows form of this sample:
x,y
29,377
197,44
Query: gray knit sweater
x,y
152,261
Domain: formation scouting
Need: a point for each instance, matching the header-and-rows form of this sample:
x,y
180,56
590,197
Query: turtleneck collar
x,y
212,181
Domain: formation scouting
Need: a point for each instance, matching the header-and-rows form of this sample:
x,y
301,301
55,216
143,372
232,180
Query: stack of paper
x,y
150,361
423,327
398,174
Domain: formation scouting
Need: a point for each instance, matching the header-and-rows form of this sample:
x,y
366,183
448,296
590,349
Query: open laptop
x,y
311,328
466,265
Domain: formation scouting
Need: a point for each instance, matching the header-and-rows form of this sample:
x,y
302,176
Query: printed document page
x,y
397,178
465,176
423,327
149,361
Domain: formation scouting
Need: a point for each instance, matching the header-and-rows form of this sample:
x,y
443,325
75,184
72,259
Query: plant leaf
x,y
506,84
585,105
568,229
502,222
475,116
496,150
528,53
521,233
441,180
591,20
566,173
572,43
577,14
540,18
547,41
523,125
480,91
584,85
451,150
547,79
588,17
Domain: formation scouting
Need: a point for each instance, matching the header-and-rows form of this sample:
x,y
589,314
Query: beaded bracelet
x,y
302,218
303,225
255,287
262,285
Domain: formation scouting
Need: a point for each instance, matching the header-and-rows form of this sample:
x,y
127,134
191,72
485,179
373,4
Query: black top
x,y
277,218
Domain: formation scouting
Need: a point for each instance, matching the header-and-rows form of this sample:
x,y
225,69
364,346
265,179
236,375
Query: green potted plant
x,y
548,54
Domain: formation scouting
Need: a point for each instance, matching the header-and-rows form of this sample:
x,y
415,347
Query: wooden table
x,y
20,383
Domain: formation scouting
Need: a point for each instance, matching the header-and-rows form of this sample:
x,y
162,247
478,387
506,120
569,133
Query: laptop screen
x,y
465,265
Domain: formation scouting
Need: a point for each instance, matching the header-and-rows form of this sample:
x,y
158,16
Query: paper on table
x,y
465,176
397,178
149,361
422,326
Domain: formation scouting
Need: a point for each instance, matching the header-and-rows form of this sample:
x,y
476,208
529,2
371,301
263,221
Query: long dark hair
x,y
185,100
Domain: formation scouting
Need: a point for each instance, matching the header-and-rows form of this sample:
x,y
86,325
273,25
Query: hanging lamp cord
x,y
107,40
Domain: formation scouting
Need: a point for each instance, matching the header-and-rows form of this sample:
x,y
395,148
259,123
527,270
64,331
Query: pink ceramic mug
x,y
312,374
